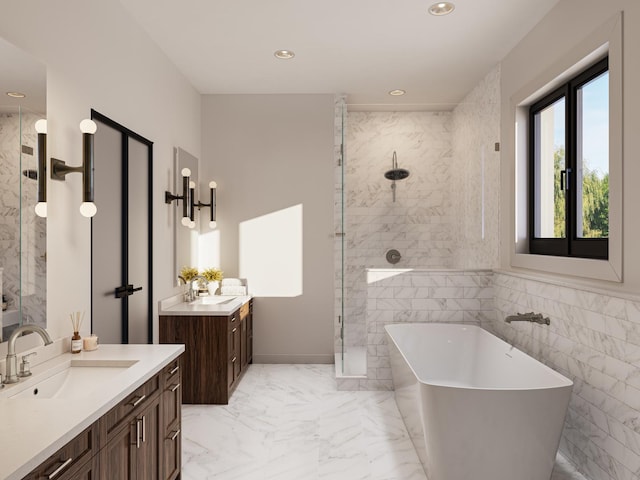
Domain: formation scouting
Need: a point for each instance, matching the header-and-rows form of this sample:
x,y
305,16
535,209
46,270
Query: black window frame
x,y
571,245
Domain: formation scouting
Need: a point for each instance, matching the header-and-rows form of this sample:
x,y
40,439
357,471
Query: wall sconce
x,y
186,197
212,203
59,169
188,200
41,206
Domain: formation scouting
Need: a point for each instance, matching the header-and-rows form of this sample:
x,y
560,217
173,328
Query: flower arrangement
x,y
212,274
188,273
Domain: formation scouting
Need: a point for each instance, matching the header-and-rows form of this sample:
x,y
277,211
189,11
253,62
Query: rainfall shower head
x,y
395,174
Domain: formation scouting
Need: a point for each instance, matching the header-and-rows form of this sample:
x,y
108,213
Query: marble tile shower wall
x,y
418,224
476,163
594,339
414,295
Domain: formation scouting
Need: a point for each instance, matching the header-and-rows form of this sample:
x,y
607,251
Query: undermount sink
x,y
78,378
213,300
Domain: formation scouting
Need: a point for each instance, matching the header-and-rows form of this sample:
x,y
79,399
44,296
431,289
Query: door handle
x,y
125,291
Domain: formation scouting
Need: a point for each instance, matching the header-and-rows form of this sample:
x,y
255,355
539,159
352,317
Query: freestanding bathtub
x,y
475,407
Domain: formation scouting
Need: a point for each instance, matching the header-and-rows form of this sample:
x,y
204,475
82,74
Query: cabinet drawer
x,y
133,403
172,373
69,459
172,453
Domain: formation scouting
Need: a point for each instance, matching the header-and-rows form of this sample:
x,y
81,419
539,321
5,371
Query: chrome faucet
x,y
12,363
528,317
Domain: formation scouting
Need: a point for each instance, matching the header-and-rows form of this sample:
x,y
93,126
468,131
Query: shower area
x,y
412,194
22,232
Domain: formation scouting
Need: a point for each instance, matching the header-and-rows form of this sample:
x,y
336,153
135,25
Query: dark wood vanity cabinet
x,y
218,350
138,439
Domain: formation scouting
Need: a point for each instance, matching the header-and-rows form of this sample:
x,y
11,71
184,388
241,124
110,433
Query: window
x,y
569,168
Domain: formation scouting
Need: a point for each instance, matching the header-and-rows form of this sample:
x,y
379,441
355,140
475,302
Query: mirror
x,y
22,233
185,239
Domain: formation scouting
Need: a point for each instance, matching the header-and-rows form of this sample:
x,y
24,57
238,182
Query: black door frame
x,y
126,135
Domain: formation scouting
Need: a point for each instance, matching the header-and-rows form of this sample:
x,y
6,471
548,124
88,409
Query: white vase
x,y
213,287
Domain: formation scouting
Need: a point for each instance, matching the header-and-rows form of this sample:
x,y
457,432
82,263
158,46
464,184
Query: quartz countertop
x,y
31,430
175,305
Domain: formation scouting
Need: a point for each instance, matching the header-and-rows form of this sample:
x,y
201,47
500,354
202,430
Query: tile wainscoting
x,y
594,339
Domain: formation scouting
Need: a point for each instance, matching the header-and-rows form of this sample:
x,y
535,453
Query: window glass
x,y
550,172
592,109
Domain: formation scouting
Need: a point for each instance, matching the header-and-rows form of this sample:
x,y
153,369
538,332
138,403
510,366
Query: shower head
x,y
396,174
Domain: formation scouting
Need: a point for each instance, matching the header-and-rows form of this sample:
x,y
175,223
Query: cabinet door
x,y
149,442
118,457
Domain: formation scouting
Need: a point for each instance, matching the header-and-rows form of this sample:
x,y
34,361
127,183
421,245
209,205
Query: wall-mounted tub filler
x,y
528,317
395,174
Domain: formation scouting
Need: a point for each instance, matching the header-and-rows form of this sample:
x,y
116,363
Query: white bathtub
x,y
475,407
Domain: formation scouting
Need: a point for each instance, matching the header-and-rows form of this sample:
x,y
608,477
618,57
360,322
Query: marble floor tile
x,y
289,422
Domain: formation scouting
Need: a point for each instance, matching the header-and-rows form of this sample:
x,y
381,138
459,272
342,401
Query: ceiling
x,y
21,73
362,48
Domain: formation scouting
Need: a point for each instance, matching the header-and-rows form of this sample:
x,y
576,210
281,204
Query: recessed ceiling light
x,y
16,94
284,54
397,93
441,8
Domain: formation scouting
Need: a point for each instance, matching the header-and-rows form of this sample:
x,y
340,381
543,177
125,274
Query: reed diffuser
x,y
76,339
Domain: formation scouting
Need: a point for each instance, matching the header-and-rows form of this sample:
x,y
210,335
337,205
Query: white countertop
x,y
175,306
31,430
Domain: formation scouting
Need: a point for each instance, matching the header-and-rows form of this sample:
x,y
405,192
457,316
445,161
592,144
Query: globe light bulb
x,y
88,126
88,209
41,126
212,225
185,172
186,221
192,184
41,209
212,184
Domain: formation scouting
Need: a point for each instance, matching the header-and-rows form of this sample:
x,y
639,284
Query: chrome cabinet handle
x,y
55,473
137,402
174,370
175,387
144,429
137,433
175,435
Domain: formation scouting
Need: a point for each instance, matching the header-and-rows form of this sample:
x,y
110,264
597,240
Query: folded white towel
x,y
233,290
237,282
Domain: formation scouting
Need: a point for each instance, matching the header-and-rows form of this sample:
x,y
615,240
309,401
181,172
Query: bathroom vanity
x,y
115,414
218,336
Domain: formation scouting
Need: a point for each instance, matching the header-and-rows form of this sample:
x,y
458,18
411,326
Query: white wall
x,y
272,157
97,57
